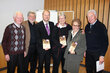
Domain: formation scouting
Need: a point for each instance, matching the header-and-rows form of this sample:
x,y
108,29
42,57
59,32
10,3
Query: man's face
x,y
91,17
18,18
31,17
46,16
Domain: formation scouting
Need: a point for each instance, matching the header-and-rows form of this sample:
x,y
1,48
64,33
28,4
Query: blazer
x,y
71,60
42,34
96,38
27,39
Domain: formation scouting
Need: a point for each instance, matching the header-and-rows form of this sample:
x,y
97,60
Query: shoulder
x,y
100,25
69,26
25,22
51,23
39,23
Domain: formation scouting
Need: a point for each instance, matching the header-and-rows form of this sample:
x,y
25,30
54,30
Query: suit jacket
x,y
42,34
71,60
97,38
27,39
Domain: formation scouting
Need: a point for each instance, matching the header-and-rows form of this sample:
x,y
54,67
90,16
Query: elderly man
x,y
13,44
97,41
30,42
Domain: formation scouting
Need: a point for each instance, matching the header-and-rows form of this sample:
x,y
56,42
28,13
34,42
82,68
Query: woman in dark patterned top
x,y
59,37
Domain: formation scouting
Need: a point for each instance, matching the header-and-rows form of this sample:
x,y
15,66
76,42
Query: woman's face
x,y
75,26
62,19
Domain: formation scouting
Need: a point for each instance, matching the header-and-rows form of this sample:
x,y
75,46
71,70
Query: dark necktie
x,y
48,30
91,26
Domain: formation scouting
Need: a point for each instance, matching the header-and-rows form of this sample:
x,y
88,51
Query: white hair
x,y
18,12
93,11
61,14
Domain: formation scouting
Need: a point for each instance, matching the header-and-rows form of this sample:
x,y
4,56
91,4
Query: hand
x,y
84,54
47,49
62,46
83,32
7,57
72,52
101,59
25,54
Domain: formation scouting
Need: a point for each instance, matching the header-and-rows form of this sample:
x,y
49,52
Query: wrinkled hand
x,y
82,32
7,57
101,59
72,52
62,46
47,49
84,54
25,54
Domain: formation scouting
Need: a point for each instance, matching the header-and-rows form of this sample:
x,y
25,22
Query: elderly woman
x,y
59,36
76,46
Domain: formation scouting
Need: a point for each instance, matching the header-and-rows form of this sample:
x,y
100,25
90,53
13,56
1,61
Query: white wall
x,y
9,7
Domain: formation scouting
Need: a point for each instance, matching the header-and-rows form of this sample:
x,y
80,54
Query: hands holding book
x,y
46,44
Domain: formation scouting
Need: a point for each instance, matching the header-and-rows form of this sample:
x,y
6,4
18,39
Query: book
x,y
46,44
62,40
72,47
99,67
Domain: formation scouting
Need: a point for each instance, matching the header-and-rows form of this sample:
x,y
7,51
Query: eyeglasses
x,y
76,25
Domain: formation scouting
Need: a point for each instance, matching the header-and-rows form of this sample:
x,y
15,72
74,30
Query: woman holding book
x,y
76,46
59,37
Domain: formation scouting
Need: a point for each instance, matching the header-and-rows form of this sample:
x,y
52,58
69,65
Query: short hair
x,y
45,11
93,11
16,13
31,12
61,14
76,20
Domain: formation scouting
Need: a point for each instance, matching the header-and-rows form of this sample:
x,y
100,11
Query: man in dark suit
x,y
44,33
97,42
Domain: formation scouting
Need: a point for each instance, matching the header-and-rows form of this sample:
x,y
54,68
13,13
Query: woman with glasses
x,y
76,46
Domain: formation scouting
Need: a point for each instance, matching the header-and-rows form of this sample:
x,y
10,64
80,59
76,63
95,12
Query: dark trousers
x,y
44,57
32,59
91,59
15,60
57,58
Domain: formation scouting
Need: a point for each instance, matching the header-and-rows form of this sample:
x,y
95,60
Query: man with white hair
x,y
13,44
97,42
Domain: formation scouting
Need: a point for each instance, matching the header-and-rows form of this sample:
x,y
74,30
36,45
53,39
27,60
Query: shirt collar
x,y
94,23
45,22
18,25
60,26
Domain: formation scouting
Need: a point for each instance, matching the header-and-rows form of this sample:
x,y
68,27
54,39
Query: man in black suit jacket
x,y
97,42
44,32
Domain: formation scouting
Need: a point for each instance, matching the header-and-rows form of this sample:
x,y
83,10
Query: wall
x,y
9,7
80,8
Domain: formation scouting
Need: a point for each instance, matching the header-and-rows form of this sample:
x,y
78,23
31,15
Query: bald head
x,y
18,17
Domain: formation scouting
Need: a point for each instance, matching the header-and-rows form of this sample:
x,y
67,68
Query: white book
x,y
99,67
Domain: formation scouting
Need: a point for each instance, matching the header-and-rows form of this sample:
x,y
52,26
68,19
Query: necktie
x,y
91,26
48,30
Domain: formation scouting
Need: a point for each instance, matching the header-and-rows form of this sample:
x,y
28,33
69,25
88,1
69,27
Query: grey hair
x,y
61,14
31,12
93,11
